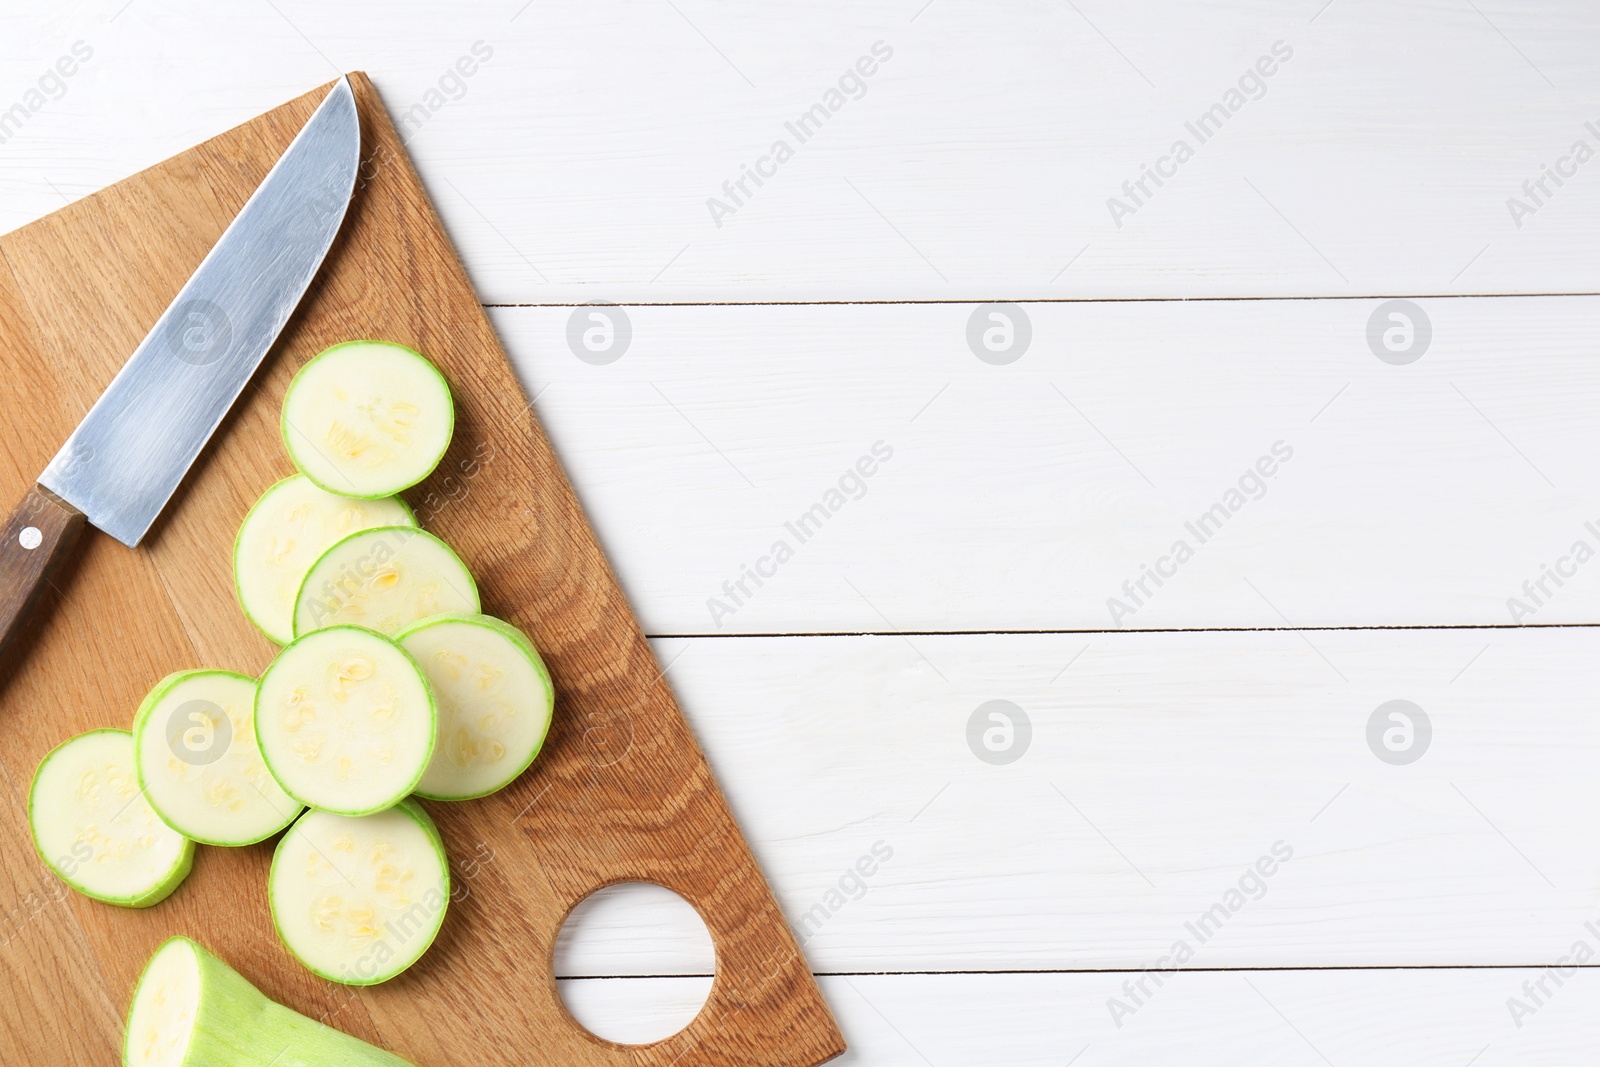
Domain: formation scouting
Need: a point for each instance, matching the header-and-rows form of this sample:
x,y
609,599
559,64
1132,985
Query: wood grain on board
x,y
621,791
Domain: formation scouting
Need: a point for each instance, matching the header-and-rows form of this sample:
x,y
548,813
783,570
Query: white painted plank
x,y
635,1011
1161,767
1025,496
633,929
1402,1018
577,162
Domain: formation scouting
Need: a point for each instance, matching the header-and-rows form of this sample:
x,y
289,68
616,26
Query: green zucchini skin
x,y
236,1025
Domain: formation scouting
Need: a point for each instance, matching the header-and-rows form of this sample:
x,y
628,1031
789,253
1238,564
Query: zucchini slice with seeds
x,y
284,533
367,418
384,579
345,720
94,828
358,900
494,697
194,743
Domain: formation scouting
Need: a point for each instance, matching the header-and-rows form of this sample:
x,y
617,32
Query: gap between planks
x,y
1134,630
1121,970
1054,300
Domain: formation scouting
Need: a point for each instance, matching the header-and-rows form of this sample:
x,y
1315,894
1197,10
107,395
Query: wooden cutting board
x,y
621,791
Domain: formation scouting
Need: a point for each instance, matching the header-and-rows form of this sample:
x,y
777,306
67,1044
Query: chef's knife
x,y
124,461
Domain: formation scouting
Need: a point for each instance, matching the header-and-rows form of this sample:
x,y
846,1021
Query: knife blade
x,y
125,460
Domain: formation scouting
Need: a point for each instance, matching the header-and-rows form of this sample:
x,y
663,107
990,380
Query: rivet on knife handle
x,y
38,536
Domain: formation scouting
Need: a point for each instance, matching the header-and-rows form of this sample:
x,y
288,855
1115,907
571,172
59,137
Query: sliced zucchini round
x,y
358,900
94,828
192,1010
367,418
345,720
494,697
284,533
194,743
384,579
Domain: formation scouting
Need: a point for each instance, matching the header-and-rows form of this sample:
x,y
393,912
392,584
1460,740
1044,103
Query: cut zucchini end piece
x,y
198,765
384,579
494,697
359,900
367,418
166,1001
293,523
345,721
189,1009
93,827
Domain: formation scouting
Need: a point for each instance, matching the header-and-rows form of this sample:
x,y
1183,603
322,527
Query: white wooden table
x,y
1428,472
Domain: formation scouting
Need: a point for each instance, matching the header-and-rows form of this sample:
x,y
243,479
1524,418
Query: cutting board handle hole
x,y
634,963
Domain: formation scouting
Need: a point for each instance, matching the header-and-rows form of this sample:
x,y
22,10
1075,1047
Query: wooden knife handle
x,y
38,537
